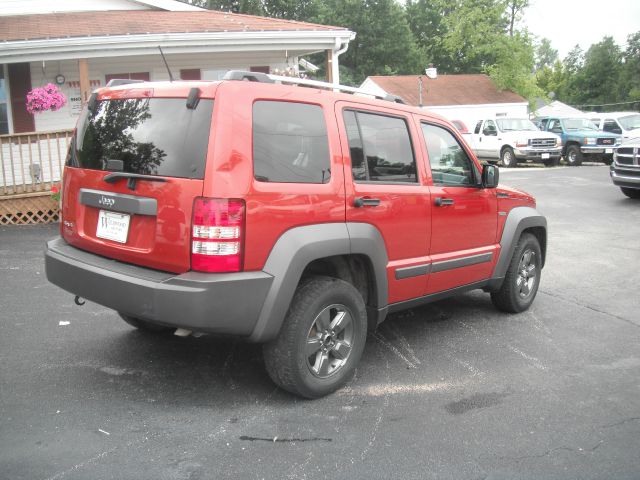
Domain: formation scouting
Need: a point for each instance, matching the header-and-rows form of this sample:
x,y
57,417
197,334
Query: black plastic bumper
x,y
224,303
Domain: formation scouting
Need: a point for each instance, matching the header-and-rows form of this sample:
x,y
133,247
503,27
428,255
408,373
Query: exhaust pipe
x,y
78,301
183,332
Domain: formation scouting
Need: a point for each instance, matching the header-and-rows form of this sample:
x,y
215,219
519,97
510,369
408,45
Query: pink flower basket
x,y
45,98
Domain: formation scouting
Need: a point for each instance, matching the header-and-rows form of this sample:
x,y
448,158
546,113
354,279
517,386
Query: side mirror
x,y
490,176
490,132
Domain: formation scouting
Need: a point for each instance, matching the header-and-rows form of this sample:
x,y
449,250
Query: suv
x,y
626,124
625,171
581,139
291,216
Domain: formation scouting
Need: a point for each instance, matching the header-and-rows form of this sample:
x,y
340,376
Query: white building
x,y
80,45
456,97
557,109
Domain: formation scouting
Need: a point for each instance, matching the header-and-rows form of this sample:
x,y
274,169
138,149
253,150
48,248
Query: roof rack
x,y
241,75
114,82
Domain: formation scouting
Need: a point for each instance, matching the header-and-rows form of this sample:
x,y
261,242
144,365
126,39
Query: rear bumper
x,y
224,303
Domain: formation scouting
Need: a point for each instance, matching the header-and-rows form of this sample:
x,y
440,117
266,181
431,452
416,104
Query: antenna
x,y
166,64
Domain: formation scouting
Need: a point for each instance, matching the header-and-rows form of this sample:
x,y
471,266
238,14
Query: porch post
x,y
85,85
329,65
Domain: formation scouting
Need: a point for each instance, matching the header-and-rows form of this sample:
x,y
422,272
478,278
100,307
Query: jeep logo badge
x,y
106,201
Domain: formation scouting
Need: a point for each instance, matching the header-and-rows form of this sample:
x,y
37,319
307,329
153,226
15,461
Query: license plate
x,y
545,156
608,150
113,226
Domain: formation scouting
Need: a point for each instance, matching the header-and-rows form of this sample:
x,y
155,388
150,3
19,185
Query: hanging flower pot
x,y
45,98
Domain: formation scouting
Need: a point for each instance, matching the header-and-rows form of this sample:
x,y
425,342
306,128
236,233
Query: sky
x,y
585,22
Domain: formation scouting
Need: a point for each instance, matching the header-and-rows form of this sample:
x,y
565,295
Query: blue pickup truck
x,y
581,139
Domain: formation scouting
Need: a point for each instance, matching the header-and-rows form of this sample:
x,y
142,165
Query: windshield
x,y
579,124
630,122
152,136
511,124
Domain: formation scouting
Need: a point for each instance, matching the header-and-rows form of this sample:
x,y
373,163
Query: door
x,y
554,126
386,188
463,214
489,140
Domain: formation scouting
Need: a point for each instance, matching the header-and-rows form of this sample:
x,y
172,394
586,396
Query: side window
x,y
290,143
380,148
490,128
450,165
554,126
612,126
478,125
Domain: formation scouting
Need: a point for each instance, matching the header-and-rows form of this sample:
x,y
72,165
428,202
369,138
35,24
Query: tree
x,y
514,11
631,70
598,81
384,41
574,60
472,34
301,10
553,80
426,20
513,68
546,55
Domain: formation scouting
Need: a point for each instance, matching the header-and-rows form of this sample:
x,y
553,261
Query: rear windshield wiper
x,y
132,178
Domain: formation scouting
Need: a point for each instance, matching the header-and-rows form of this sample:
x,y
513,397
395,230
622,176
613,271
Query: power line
x,y
606,104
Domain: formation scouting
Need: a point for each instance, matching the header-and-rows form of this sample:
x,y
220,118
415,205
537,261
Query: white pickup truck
x,y
510,140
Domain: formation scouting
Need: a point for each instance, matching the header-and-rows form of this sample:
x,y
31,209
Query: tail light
x,y
217,235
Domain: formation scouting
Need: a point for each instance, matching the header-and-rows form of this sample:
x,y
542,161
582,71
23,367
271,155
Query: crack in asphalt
x,y
630,419
553,450
589,307
284,440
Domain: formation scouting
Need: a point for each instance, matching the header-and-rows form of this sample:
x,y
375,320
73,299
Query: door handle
x,y
439,201
365,202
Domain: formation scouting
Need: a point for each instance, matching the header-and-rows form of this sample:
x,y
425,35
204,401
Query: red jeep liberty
x,y
291,215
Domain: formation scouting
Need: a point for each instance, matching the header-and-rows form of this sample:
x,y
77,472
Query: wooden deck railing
x,y
32,162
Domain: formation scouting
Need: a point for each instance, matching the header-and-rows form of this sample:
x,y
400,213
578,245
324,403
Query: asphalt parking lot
x,y
453,390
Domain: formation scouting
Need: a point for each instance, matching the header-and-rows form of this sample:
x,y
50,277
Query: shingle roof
x,y
472,89
85,24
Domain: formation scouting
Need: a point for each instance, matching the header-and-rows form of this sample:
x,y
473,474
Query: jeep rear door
x,y
386,188
463,214
135,166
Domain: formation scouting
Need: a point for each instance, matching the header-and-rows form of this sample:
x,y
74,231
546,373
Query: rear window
x,y
152,136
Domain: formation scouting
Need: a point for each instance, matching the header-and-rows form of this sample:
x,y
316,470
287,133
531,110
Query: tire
x,y
144,325
631,192
574,156
508,158
523,277
321,340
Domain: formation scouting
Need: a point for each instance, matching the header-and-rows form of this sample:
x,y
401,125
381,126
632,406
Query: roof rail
x,y
114,82
265,78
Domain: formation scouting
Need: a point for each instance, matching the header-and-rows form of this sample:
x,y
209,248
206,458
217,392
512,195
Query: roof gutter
x,y
172,43
339,48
